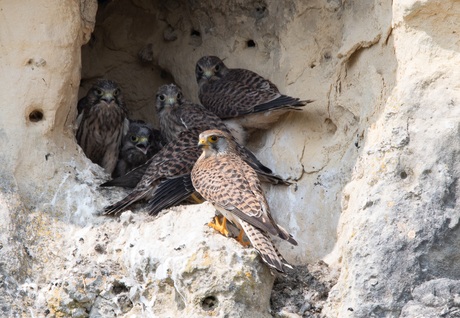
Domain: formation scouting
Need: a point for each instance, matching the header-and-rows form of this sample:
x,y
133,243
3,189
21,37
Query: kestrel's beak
x,y
208,74
143,144
203,144
171,100
108,98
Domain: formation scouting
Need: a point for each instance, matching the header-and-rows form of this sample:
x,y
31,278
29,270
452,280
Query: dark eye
x,y
217,68
99,92
134,138
213,139
179,95
116,92
162,97
199,69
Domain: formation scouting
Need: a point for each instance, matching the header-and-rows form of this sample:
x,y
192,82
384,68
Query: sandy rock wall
x,y
374,159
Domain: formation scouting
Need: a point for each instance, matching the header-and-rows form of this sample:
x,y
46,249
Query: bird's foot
x,y
196,199
240,239
220,227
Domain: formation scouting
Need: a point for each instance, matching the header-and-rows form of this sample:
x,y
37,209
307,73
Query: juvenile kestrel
x,y
139,144
232,186
103,113
176,115
174,160
232,93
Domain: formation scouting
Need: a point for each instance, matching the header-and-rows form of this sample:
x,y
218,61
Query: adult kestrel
x,y
100,132
139,144
253,101
232,186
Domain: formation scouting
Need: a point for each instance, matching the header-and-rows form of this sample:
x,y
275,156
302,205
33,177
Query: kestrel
x,y
232,186
251,100
174,160
139,144
177,114
100,132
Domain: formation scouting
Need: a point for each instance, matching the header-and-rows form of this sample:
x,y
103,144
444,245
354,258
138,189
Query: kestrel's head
x,y
215,142
168,96
106,93
139,135
208,69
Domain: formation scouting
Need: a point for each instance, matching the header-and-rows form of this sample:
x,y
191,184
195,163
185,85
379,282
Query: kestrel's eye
x,y
162,97
179,95
117,91
99,92
200,70
217,68
134,138
213,139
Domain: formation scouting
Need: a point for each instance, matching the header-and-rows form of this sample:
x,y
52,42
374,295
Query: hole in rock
x,y
209,303
195,33
119,287
36,115
251,43
403,175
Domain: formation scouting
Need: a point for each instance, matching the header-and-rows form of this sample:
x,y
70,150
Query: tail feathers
x,y
283,234
129,199
283,101
263,244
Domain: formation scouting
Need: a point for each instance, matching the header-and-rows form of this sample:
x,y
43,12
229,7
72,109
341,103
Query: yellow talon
x,y
240,239
196,199
220,227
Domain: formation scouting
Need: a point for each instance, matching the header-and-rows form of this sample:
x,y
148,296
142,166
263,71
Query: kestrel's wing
x,y
264,245
243,92
175,159
231,184
171,192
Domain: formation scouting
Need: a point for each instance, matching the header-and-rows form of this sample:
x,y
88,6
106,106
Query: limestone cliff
x,y
374,159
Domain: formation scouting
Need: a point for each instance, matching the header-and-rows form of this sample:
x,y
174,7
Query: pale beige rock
x,y
374,157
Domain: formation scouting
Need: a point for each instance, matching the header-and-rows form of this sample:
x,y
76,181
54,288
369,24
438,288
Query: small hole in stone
x,y
251,43
312,65
35,115
195,33
209,303
30,61
403,175
119,287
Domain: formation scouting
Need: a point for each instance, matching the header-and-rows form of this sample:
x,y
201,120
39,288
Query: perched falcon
x,y
103,113
177,115
253,101
139,144
232,186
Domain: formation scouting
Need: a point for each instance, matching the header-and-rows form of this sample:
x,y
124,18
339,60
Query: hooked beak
x,y
208,74
203,144
171,101
143,145
108,98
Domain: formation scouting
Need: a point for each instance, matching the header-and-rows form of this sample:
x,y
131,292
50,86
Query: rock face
x,y
374,159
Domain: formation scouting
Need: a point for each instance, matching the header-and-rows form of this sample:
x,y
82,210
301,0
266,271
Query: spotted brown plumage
x,y
174,160
139,144
242,94
177,114
232,186
100,132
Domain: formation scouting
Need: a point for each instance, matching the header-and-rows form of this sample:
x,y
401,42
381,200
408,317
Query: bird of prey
x,y
139,144
242,95
166,180
168,171
177,115
103,113
232,186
